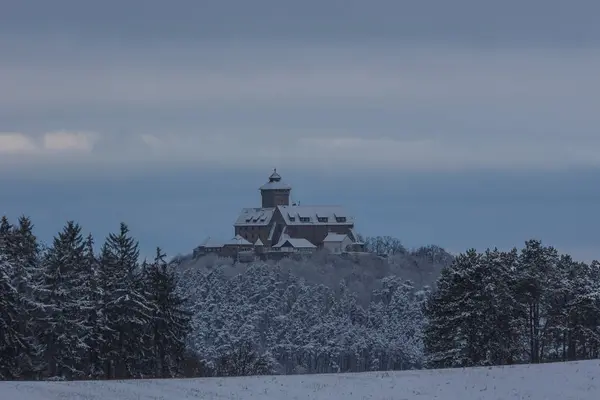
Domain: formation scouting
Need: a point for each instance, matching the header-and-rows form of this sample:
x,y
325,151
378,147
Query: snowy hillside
x,y
560,381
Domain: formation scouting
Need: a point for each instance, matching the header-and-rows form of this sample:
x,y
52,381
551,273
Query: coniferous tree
x,y
537,271
583,310
170,322
20,250
125,310
65,293
14,345
93,298
504,314
27,257
457,319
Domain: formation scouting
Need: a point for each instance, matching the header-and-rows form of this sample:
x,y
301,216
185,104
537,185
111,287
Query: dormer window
x,y
340,219
304,219
323,219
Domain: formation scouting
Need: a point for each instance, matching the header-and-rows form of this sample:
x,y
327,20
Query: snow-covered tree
x,y
65,293
20,249
15,347
170,323
125,311
537,270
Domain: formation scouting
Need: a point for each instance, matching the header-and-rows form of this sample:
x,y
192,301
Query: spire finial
x,y
275,177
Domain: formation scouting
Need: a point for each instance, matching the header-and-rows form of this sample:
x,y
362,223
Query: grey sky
x,y
385,92
468,21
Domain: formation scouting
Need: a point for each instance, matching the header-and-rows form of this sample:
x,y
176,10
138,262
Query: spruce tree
x,y
125,310
65,293
19,247
14,345
170,323
94,297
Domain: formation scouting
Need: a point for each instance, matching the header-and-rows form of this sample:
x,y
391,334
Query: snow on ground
x,y
560,381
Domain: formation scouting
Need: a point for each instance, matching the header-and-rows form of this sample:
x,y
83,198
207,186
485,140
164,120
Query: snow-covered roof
x,y
238,241
355,237
335,237
259,242
297,243
210,242
317,215
275,183
275,176
254,216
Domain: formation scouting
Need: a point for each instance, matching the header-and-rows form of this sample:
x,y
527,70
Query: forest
x,y
76,310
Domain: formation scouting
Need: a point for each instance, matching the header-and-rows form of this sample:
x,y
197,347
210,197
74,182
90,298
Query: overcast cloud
x,y
426,107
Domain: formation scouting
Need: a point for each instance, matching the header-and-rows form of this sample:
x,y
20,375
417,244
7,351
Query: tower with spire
x,y
275,192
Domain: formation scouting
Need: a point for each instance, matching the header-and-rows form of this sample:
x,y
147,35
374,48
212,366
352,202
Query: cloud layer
x,y
404,107
51,143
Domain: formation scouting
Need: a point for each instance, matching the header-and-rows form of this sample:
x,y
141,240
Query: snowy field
x,y
561,381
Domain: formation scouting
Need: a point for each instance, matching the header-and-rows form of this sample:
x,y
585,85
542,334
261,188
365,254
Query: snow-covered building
x,y
280,225
209,245
231,247
337,243
300,245
278,216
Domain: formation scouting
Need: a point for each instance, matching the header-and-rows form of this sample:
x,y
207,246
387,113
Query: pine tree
x,y
5,230
456,320
537,271
21,251
66,294
125,313
584,312
93,299
14,345
504,314
170,322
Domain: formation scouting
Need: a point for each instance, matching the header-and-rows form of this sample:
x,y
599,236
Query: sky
x,y
462,124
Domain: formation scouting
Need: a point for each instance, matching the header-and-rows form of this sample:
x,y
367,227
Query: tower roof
x,y
275,183
275,177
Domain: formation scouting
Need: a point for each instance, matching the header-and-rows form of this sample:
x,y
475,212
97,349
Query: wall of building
x,y
316,233
337,247
275,197
311,232
252,232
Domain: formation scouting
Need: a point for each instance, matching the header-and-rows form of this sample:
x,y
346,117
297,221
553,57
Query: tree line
x,y
69,313
500,308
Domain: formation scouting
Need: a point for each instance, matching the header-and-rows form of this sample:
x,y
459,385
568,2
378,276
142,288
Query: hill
x,y
362,273
322,314
574,380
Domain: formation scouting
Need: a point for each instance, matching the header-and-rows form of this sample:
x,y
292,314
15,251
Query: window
x,y
323,219
340,219
304,219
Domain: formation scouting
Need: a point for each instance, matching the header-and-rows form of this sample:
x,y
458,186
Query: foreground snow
x,y
561,381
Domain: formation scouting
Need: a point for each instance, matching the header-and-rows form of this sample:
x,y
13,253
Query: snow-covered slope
x,y
560,381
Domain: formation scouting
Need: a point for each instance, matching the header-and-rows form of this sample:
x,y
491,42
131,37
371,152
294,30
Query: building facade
x,y
279,218
278,222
